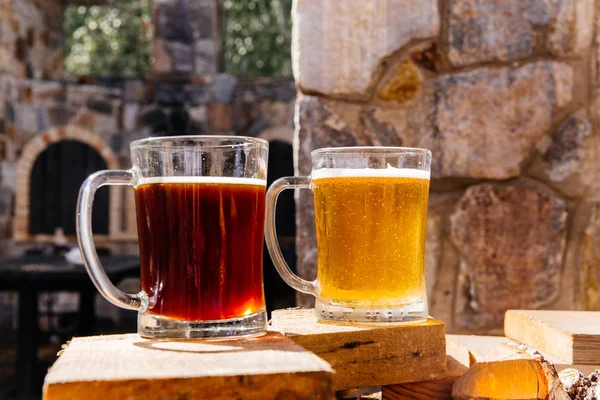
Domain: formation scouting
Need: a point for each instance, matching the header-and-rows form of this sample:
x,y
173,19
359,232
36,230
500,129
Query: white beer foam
x,y
220,180
389,172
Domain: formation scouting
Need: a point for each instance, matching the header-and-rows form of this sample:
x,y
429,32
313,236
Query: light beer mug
x,y
371,218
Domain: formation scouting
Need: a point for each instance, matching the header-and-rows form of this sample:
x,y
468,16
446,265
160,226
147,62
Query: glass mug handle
x,y
301,285
85,201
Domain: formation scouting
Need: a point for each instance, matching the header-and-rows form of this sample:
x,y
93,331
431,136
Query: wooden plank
x,y
572,336
127,366
524,374
458,358
478,346
458,361
368,354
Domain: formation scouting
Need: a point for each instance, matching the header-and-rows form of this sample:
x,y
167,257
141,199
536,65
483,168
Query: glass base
x,y
409,313
157,327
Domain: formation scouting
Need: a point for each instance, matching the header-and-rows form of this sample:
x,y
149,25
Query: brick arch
x,y
30,153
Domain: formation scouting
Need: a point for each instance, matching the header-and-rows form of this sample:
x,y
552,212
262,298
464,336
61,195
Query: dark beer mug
x,y
200,204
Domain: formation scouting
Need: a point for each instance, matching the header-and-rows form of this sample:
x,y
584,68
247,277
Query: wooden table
x,y
30,275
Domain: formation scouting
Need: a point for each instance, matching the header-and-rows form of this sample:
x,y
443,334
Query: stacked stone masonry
x,y
505,95
110,115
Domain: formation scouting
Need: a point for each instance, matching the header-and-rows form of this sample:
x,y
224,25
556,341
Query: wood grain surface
x,y
369,354
572,336
458,362
127,366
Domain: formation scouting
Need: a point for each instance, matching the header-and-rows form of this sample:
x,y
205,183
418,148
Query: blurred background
x,y
504,92
80,80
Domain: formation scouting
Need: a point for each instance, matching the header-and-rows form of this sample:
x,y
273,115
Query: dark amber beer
x,y
201,246
371,226
200,208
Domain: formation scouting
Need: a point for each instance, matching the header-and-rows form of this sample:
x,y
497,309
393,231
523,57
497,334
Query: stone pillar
x,y
501,92
186,38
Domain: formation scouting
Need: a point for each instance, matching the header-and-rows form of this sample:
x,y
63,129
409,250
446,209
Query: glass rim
x,y
220,141
369,149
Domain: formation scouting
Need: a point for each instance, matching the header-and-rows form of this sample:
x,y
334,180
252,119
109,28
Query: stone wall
x,y
505,94
120,111
31,38
186,37
30,47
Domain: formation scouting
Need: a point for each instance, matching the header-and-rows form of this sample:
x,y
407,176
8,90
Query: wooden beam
x,y
127,366
572,336
369,354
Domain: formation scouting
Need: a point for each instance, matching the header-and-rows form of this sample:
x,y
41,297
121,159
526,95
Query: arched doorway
x,y
56,160
55,179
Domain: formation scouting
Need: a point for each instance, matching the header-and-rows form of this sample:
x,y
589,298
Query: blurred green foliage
x,y
115,39
109,40
256,36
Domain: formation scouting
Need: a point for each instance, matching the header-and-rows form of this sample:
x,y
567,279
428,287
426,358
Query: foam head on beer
x,y
371,226
390,172
225,180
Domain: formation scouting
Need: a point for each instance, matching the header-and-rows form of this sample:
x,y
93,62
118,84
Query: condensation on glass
x,y
371,219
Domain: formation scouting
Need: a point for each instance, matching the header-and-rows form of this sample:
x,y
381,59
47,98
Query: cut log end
x,y
519,373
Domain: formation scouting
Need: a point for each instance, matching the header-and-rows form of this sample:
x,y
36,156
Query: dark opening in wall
x,y
56,177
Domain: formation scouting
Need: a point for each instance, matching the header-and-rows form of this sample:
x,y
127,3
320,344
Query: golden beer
x,y
371,227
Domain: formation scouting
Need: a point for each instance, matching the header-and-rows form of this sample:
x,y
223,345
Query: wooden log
x,y
458,361
368,354
129,367
480,346
572,336
508,347
524,374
